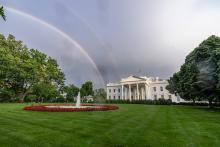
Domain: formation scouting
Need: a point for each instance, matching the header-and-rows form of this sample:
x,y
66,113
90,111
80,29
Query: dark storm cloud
x,y
135,37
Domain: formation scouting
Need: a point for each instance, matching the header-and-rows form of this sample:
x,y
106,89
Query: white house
x,y
140,88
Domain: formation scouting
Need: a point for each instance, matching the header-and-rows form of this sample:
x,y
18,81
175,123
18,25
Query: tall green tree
x,y
22,68
87,89
2,13
45,91
71,92
199,76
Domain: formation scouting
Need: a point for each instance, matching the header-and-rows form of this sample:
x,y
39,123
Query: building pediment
x,y
132,79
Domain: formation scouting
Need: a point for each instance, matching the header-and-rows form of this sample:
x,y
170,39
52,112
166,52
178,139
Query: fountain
x,y
78,102
71,108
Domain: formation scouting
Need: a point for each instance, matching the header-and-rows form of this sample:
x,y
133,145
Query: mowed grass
x,y
131,125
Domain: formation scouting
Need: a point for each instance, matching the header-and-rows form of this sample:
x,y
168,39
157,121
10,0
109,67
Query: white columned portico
x,y
138,92
122,92
130,92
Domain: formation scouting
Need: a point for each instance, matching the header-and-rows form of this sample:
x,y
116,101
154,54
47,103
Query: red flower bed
x,y
58,109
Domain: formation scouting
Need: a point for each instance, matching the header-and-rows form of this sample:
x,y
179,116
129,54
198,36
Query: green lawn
x,y
131,125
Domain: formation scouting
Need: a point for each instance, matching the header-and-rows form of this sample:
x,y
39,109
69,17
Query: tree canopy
x,y
71,92
199,76
21,69
2,13
87,89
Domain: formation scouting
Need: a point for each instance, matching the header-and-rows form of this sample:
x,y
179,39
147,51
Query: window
x,y
155,89
109,90
155,96
119,97
109,97
118,90
114,97
114,90
161,88
162,96
170,96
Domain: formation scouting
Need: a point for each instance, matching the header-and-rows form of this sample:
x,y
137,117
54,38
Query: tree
x,y
14,70
2,13
87,89
6,94
172,87
71,92
22,68
45,91
199,76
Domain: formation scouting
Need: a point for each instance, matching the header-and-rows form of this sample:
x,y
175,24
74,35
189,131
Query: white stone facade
x,y
140,88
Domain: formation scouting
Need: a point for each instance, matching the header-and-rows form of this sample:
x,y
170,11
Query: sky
x,y
106,40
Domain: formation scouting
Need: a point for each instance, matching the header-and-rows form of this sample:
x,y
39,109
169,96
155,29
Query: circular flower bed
x,y
63,108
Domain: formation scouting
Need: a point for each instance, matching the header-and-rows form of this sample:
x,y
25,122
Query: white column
x,y
149,93
137,92
142,93
146,91
126,93
122,92
130,92
135,96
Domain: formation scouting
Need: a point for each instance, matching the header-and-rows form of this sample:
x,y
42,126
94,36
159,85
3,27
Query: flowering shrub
x,y
59,109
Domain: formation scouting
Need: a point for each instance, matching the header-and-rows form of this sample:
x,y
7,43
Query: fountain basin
x,y
70,108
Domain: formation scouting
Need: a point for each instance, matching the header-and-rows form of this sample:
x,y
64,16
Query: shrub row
x,y
215,104
161,102
53,109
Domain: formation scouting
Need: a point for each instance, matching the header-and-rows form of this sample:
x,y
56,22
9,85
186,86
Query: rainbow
x,y
60,32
